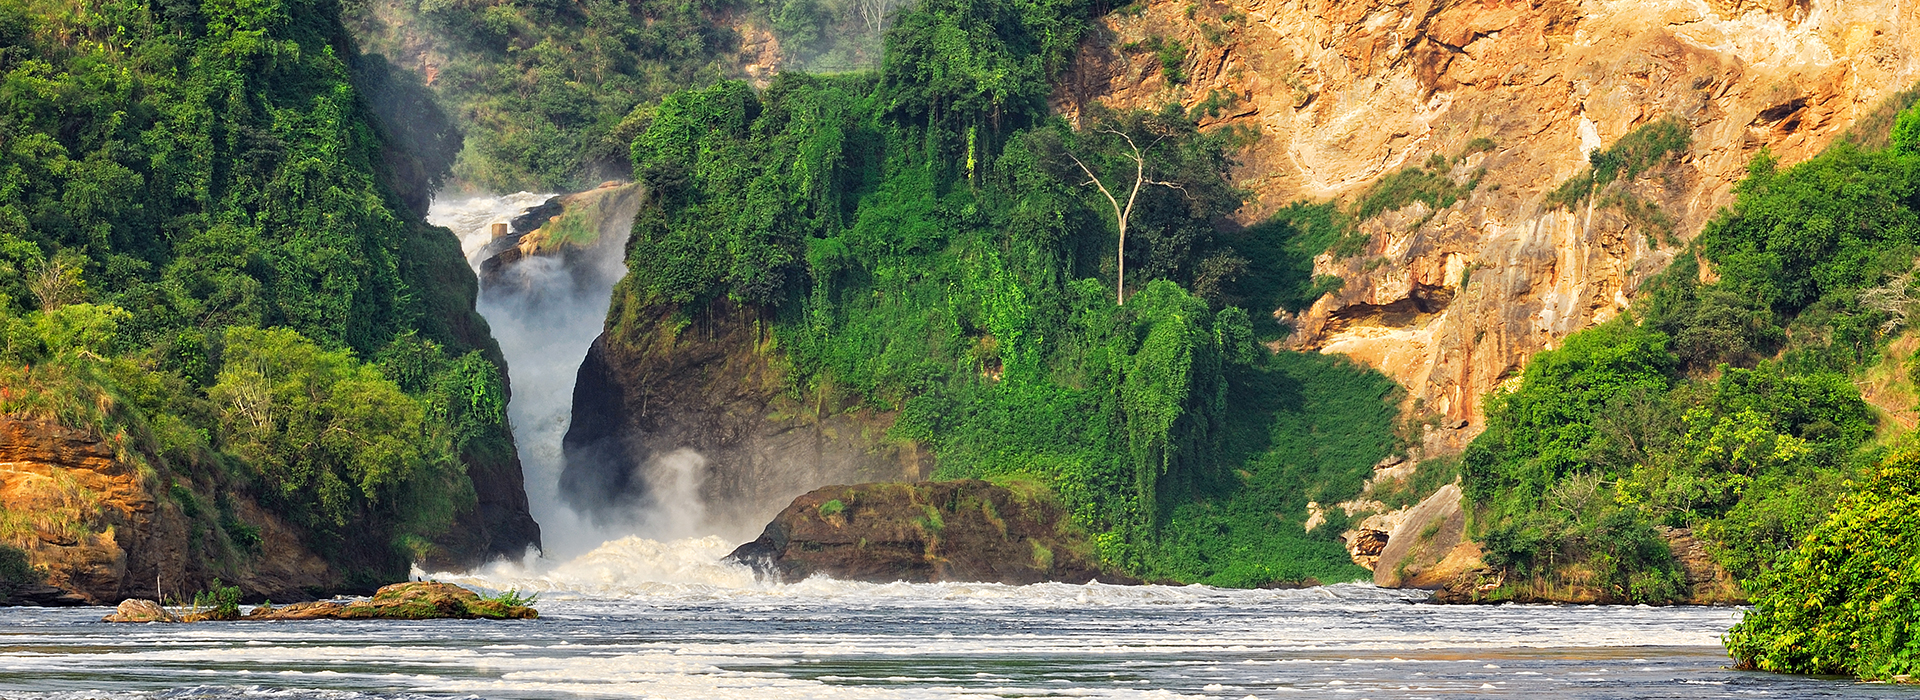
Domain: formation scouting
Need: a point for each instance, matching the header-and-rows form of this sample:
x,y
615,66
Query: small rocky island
x,y
416,600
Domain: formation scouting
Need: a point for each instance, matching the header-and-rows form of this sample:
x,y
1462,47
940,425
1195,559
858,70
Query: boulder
x,y
971,531
135,610
414,600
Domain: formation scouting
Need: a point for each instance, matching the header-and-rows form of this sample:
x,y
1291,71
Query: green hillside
x,y
925,241
176,177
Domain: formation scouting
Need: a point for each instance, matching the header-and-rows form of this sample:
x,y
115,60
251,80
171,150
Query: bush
x,y
1845,603
218,602
16,573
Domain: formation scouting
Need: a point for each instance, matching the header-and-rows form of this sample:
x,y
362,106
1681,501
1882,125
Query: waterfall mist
x,y
546,310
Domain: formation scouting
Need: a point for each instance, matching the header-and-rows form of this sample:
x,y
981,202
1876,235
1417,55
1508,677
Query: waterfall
x,y
545,311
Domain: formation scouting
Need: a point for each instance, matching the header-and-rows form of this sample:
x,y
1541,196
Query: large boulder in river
x,y
415,600
135,610
927,532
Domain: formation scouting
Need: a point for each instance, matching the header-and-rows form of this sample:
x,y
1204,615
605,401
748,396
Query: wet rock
x,y
416,600
927,532
697,395
132,610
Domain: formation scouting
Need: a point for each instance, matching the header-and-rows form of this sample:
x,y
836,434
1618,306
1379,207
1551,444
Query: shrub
x,y
1845,603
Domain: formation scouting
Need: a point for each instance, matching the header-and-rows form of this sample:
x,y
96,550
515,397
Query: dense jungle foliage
x,y
549,94
927,241
1842,601
1726,404
204,256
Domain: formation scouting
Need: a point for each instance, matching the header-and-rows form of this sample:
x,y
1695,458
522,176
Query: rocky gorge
x,y
1497,105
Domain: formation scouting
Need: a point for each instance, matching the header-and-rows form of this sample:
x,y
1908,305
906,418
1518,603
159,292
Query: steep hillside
x,y
212,268
1444,126
908,275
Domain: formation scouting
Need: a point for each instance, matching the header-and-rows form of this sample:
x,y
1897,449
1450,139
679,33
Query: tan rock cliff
x,y
1451,303
91,523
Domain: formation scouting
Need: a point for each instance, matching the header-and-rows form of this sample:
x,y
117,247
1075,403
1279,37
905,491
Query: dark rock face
x,y
926,532
666,380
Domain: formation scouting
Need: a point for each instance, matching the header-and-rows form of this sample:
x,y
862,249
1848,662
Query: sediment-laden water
x,y
643,619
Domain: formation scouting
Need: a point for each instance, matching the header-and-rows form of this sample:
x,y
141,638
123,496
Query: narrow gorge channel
x,y
545,309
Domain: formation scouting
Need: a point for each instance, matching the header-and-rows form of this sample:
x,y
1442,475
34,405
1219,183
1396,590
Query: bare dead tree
x,y
1122,213
1895,298
874,13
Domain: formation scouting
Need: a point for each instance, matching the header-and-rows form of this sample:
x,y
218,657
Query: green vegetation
x,y
175,178
1725,406
926,240
1845,602
1279,252
546,92
218,602
1641,150
549,94
16,573
832,508
512,598
1429,184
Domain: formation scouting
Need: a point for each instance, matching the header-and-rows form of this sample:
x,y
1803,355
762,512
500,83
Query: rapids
x,y
637,618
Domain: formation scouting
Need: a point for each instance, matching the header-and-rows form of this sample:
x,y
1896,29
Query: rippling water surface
x,y
637,618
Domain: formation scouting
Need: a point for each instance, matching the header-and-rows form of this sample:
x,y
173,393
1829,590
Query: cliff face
x,y
687,409
92,525
1452,302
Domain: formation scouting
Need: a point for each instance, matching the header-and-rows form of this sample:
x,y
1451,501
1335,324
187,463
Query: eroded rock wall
x,y
1452,302
92,524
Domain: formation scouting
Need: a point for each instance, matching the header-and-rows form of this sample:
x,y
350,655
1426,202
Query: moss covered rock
x,y
925,532
416,600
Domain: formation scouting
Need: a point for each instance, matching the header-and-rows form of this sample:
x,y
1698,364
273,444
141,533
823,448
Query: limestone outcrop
x,y
962,531
92,526
1451,302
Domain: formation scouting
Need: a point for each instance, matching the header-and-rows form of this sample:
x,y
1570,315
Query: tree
x,y
1122,213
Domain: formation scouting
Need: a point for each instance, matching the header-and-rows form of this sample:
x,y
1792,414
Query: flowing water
x,y
545,315
636,617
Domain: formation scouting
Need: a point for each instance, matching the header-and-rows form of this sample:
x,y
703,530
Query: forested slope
x,y
923,244
212,256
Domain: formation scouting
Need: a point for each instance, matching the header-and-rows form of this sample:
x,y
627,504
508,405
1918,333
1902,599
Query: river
x,y
642,619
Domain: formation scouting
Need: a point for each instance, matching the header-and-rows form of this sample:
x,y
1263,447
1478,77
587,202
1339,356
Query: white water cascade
x,y
545,315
